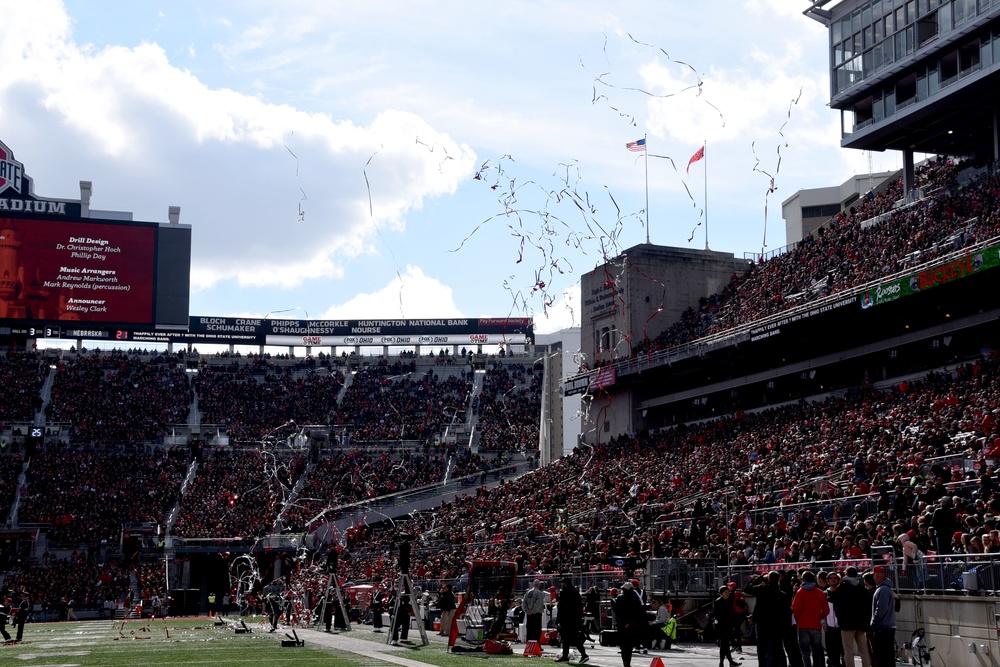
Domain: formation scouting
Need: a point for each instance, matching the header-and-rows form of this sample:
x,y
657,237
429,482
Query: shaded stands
x,y
509,407
396,401
85,497
21,376
118,398
254,399
88,584
633,495
872,240
355,476
237,493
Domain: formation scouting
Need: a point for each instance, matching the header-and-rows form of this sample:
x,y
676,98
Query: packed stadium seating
x,y
344,478
85,497
835,476
252,400
505,405
848,252
22,376
114,397
727,489
237,494
387,402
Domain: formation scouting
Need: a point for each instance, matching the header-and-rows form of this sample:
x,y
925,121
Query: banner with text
x,y
946,272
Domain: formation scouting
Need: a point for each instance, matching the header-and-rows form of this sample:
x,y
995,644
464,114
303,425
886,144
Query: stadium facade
x,y
921,76
809,209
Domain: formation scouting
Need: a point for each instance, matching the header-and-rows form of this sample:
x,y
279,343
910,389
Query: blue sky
x,y
264,120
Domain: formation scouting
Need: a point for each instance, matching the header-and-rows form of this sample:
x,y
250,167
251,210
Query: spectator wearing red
x,y
810,608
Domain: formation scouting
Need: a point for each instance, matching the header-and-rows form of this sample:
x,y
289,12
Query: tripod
x,y
340,600
397,608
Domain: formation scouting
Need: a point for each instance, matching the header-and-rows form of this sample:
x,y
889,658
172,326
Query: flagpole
x,y
705,149
645,143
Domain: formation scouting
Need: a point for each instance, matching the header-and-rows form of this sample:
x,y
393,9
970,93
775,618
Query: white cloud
x,y
412,294
563,314
149,128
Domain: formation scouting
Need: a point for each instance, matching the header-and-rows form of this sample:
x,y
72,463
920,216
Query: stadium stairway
x,y
194,414
46,395
292,497
14,506
176,510
348,380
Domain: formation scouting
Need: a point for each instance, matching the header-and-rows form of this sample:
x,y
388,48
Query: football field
x,y
192,642
199,641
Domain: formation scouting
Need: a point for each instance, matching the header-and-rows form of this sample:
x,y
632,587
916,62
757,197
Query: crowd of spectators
x,y
252,400
22,376
466,463
237,493
83,583
118,398
853,249
809,481
85,497
393,401
509,407
867,463
356,475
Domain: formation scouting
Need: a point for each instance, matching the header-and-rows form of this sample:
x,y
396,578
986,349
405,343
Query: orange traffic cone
x,y
657,662
532,649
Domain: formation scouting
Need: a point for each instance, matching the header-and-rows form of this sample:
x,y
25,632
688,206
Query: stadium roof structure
x,y
915,76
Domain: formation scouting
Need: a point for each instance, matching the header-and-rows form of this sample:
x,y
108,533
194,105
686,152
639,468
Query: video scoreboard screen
x,y
61,268
93,271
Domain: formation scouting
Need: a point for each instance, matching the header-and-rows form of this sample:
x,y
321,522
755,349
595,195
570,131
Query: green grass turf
x,y
194,642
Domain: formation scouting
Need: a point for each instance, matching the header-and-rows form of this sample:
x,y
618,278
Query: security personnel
x,y
21,617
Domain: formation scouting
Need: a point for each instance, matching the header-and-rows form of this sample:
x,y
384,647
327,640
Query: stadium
x,y
832,406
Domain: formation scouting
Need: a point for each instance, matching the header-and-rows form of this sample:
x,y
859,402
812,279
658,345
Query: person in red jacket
x,y
809,609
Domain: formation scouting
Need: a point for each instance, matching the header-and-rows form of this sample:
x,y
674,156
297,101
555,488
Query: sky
x,y
424,159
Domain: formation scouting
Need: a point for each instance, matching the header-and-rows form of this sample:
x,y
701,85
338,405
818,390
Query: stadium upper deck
x,y
919,76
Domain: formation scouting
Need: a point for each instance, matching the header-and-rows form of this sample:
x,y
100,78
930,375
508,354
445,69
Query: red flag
x,y
700,155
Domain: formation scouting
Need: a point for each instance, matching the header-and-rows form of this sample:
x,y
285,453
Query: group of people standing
x,y
14,614
636,628
806,619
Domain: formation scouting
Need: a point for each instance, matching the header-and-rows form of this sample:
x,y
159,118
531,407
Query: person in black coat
x,y
22,614
772,613
630,615
378,606
852,604
447,605
571,620
725,622
593,608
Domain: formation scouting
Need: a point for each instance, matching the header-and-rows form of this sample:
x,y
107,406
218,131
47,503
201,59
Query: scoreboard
x,y
88,271
63,268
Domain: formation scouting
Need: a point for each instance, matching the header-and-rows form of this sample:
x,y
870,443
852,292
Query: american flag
x,y
636,146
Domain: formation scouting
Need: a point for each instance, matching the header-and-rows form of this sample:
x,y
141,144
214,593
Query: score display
x,y
77,271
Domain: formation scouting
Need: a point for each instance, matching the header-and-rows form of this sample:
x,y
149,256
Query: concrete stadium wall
x,y
953,624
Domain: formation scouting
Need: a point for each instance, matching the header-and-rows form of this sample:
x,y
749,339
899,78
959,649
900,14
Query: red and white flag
x,y
700,155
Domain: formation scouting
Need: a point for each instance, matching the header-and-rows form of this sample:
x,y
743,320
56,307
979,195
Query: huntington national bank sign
x,y
16,191
466,332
